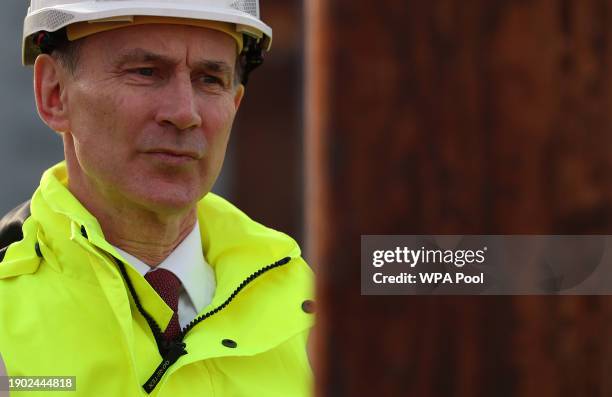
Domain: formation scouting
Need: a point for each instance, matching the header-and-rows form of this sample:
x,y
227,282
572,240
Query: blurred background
x,y
412,117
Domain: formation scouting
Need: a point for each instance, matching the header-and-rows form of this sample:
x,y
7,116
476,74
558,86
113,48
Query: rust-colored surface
x,y
455,117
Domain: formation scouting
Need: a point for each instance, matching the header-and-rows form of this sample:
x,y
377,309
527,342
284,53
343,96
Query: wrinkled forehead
x,y
83,29
172,42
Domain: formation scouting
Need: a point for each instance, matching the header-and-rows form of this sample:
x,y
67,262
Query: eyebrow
x,y
214,66
142,55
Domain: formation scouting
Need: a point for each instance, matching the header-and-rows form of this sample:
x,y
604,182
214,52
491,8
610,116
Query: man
x,y
123,270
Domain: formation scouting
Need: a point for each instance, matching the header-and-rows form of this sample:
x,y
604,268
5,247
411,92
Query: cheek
x,y
108,117
218,117
101,126
90,112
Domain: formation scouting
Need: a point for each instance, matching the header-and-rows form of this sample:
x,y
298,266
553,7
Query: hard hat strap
x,y
251,57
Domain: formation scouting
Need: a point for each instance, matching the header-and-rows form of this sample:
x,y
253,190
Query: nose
x,y
178,105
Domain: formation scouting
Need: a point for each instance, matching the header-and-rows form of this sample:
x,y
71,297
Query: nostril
x,y
180,118
177,105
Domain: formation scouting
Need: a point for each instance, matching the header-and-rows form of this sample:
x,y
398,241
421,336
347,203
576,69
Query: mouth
x,y
172,157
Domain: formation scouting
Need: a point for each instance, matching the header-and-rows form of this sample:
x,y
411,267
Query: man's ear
x,y
49,89
238,95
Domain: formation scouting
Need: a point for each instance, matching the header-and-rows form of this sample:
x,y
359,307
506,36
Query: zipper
x,y
172,350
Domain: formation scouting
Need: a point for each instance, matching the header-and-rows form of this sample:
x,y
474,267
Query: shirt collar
x,y
187,262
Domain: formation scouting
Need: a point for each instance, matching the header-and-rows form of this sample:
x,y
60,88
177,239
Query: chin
x,y
169,192
167,199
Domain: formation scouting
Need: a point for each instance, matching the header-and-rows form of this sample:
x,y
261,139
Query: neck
x,y
150,235
149,239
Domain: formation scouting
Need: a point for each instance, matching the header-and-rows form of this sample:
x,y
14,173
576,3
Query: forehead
x,y
180,42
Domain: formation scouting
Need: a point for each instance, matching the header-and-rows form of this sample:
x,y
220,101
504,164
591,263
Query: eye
x,y
147,72
208,79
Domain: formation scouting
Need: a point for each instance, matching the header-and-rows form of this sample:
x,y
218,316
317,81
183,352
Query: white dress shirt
x,y
187,262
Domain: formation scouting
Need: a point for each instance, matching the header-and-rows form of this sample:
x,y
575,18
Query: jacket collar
x,y
228,235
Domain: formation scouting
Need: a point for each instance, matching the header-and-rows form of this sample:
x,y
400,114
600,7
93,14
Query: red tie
x,y
168,287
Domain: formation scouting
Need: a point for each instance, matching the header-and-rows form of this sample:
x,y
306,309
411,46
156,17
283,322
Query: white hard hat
x,y
53,15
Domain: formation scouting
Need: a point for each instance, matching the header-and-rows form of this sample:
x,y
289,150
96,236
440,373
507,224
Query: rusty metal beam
x,y
455,117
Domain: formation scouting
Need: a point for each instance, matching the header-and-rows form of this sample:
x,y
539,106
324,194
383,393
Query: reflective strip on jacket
x,y
65,309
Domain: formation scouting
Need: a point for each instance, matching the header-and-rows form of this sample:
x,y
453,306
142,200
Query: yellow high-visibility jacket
x,y
66,308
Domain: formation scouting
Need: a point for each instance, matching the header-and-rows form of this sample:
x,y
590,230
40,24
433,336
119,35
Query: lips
x,y
174,153
172,158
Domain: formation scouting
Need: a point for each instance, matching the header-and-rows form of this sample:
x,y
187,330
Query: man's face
x,y
149,112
